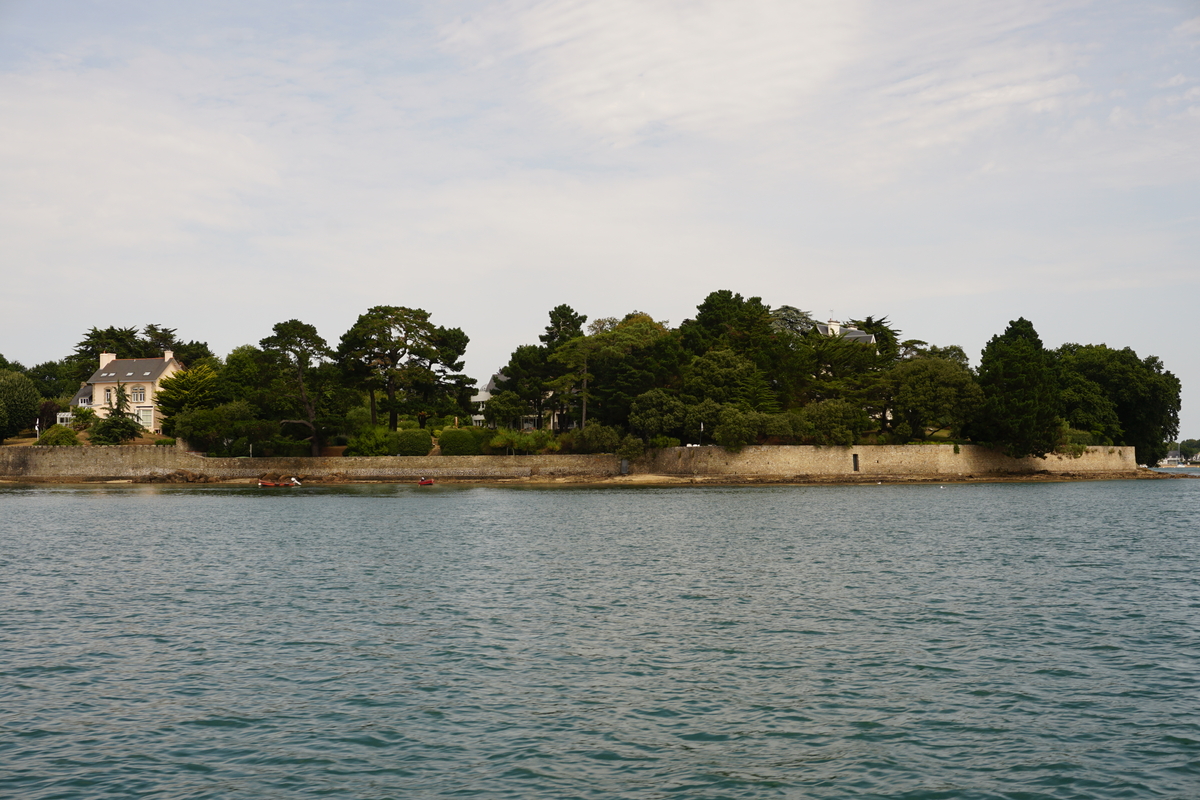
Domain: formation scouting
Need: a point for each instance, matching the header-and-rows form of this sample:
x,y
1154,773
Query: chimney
x,y
168,355
106,359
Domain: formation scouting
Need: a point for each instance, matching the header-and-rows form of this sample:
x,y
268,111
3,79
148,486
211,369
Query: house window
x,y
108,397
139,394
146,417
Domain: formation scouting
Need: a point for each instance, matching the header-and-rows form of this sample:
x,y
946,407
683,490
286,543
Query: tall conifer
x,y
1018,378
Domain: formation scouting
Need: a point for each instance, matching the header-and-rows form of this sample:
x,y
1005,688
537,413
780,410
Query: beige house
x,y
140,378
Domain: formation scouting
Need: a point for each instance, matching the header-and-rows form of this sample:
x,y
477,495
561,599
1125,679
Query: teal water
x,y
967,641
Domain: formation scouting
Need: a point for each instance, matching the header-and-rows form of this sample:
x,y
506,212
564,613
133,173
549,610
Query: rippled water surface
x,y
975,641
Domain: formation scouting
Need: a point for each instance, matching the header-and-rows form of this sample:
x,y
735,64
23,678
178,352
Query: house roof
x,y
131,370
850,334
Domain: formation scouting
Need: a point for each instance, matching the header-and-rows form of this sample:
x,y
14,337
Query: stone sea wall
x,y
881,460
112,463
894,461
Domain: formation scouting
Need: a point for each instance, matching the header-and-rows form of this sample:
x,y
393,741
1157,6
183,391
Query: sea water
x,y
1035,640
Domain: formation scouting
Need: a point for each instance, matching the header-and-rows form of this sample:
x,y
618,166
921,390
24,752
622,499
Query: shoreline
x,y
642,479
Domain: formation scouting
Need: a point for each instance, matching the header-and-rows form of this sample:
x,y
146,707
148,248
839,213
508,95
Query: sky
x,y
219,167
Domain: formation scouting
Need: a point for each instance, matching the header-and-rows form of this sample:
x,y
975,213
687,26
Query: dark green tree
x,y
227,429
260,378
950,352
564,325
12,366
505,409
416,364
932,393
719,375
196,387
842,369
656,413
834,422
726,319
1021,406
20,400
585,357
1144,395
887,338
1088,408
301,349
527,375
736,428
789,319
435,384
53,379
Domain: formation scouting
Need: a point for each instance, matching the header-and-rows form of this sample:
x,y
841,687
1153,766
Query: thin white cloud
x,y
107,169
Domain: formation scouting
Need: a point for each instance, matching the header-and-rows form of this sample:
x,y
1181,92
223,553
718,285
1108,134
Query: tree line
x,y
738,372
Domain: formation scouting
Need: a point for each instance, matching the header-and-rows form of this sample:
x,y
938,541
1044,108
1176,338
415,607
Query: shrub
x,y
777,426
631,447
656,413
836,422
597,438
459,442
285,448
114,429
506,440
372,441
1074,443
83,418
165,443
413,442
358,419
661,442
735,428
58,436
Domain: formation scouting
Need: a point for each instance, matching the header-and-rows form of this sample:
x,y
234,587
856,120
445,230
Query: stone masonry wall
x,y
882,460
138,461
95,463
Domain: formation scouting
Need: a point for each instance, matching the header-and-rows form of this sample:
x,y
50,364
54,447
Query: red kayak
x,y
425,482
275,484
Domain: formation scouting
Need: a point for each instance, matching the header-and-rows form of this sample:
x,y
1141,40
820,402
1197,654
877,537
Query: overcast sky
x,y
218,167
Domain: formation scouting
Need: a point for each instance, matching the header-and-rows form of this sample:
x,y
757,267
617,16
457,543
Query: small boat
x,y
279,484
425,482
